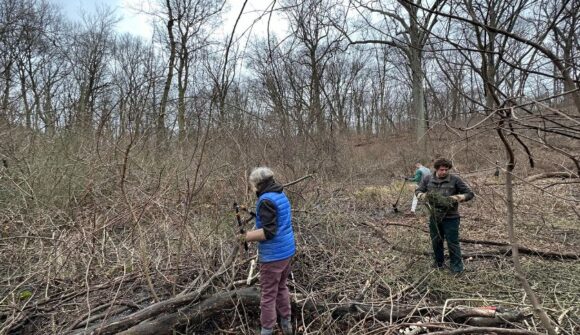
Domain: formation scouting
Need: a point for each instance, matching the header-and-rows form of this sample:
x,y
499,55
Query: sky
x,y
131,20
140,24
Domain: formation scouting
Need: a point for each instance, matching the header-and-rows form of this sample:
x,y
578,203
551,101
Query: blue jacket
x,y
281,246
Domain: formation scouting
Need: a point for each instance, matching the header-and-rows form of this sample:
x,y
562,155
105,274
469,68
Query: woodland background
x,y
121,159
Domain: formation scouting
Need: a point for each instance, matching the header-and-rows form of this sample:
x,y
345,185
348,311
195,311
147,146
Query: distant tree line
x,y
364,67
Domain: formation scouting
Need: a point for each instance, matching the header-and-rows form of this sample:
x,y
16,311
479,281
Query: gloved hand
x,y
458,197
421,196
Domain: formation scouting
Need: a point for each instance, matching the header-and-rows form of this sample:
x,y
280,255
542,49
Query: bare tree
x,y
13,18
342,86
169,21
194,20
37,54
408,32
277,84
188,24
384,89
311,26
135,77
89,51
565,34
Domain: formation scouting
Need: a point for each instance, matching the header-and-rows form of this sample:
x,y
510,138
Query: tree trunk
x,y
182,87
169,79
4,114
317,115
418,92
538,310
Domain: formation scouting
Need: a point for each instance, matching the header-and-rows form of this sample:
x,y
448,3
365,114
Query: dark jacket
x,y
448,186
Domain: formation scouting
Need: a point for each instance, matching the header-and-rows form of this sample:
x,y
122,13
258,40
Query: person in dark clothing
x,y
276,247
444,218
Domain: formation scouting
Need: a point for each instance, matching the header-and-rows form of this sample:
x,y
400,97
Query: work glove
x,y
421,196
458,197
241,238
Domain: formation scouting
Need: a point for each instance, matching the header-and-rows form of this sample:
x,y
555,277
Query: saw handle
x,y
240,223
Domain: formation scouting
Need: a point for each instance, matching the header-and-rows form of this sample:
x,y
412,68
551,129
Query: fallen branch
x,y
506,251
501,252
249,297
558,174
197,314
484,317
213,306
88,318
487,330
487,254
164,306
525,250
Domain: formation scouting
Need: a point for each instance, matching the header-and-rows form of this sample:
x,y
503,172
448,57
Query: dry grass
x,y
78,232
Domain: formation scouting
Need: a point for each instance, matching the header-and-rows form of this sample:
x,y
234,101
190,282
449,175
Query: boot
x,y
267,331
286,326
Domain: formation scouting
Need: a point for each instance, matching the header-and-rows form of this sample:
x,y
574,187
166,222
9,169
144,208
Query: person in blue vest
x,y
276,247
421,173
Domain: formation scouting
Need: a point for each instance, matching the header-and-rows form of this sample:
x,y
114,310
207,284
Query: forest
x,y
122,159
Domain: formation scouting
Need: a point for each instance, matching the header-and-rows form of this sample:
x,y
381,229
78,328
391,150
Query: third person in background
x,y
421,173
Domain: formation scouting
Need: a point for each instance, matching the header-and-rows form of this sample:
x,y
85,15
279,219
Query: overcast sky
x,y
139,24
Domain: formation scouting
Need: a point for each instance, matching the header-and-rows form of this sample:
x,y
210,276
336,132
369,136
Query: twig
x,y
297,180
479,330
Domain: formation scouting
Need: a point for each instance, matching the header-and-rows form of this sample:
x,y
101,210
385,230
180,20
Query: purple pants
x,y
275,294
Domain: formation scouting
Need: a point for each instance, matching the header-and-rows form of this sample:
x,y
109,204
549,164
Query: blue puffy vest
x,y
281,246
